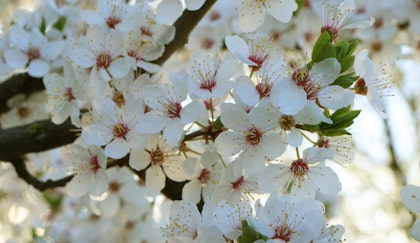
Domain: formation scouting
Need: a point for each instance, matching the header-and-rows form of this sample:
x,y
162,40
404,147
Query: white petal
x,y
52,49
139,159
15,58
96,134
192,191
119,68
335,97
274,178
110,206
410,196
83,57
234,117
168,11
289,97
38,68
155,179
239,48
92,17
227,143
415,230
194,5
294,138
173,132
251,16
325,72
325,179
117,149
281,10
314,154
78,186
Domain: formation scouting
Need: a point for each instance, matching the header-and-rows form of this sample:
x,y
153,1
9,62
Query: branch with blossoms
x,y
224,131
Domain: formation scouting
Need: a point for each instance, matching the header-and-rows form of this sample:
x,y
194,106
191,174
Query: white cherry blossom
x,y
303,177
115,128
88,165
253,12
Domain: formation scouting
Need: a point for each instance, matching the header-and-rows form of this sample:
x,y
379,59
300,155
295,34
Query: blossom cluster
x,y
250,123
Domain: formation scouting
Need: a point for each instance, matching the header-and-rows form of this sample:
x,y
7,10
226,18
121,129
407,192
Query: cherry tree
x,y
189,121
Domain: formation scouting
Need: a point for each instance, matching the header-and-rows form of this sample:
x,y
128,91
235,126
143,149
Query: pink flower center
x,y
94,163
204,176
264,89
133,53
33,53
146,31
302,79
253,136
103,60
174,110
360,87
157,157
208,83
299,167
331,30
239,182
69,94
283,233
120,131
112,21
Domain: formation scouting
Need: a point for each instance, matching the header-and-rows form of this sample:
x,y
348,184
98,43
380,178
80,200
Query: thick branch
x,y
23,173
17,84
35,137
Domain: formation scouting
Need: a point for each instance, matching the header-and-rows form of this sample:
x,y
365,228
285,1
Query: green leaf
x,y
217,124
249,234
352,46
53,201
336,132
322,45
346,63
341,48
346,80
43,25
61,22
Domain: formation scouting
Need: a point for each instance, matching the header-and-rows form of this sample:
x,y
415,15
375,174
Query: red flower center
x,y
253,136
103,60
299,167
112,21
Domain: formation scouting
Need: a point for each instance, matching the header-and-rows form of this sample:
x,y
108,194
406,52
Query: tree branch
x,y
18,84
21,170
35,137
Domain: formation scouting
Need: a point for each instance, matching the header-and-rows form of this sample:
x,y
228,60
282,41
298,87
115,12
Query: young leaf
x,y
249,234
61,22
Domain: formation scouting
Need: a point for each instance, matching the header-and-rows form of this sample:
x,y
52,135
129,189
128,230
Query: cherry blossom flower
x,y
250,134
238,183
292,93
32,50
253,53
373,82
115,128
253,12
211,78
410,195
203,176
162,160
342,16
88,165
142,51
168,113
114,14
271,71
304,178
102,51
285,219
229,219
64,93
288,125
186,224
342,146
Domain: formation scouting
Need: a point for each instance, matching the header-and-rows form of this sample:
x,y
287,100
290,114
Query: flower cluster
x,y
248,132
